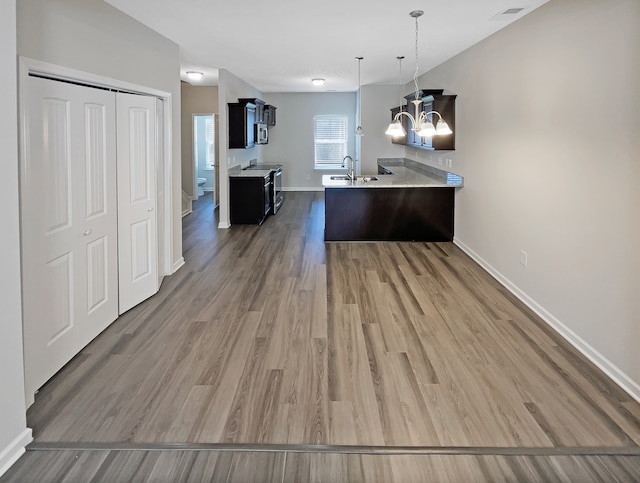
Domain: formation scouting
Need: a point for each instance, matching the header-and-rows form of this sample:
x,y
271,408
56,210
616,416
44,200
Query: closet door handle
x,y
149,210
87,232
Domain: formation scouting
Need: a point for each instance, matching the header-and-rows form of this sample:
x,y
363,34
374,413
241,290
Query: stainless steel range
x,y
276,183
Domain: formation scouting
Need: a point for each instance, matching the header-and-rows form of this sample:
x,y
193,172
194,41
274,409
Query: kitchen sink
x,y
358,178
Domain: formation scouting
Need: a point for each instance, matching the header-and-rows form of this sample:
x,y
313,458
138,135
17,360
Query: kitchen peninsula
x,y
414,202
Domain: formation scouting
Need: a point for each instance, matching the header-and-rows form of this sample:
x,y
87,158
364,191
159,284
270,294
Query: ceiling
x,y
280,45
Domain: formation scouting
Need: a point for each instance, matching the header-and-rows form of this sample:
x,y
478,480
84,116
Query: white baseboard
x,y
176,265
16,448
618,376
224,225
303,188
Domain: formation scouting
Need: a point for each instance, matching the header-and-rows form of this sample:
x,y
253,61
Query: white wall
x,y
548,112
230,88
377,102
291,140
94,37
195,100
14,435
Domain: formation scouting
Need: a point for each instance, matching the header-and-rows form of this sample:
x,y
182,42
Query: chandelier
x,y
421,124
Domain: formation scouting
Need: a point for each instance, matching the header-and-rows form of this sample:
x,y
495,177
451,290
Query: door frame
x,y
27,66
195,154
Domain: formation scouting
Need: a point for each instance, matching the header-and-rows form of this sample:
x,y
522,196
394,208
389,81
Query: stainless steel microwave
x,y
262,134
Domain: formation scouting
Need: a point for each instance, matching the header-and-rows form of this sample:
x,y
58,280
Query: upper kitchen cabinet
x,y
242,119
446,106
260,107
270,115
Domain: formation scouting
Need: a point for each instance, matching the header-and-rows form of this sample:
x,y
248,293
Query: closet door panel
x,y
69,223
137,232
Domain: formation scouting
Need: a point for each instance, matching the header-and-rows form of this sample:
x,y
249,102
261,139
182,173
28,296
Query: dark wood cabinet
x,y
249,199
389,214
270,115
242,118
446,106
260,107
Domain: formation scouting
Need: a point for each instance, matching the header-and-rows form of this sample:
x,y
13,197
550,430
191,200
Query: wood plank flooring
x,y
268,335
229,466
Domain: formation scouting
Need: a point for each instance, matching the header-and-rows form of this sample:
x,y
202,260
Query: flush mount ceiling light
x,y
195,76
317,81
421,124
359,131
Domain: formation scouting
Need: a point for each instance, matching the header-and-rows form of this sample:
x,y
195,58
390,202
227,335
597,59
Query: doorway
x,y
205,158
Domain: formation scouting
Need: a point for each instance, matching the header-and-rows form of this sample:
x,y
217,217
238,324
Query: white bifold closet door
x,y
87,217
137,225
69,223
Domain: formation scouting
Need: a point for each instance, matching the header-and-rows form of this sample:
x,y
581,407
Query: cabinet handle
x,y
149,210
87,232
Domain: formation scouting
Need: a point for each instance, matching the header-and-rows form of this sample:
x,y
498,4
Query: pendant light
x,y
420,124
359,131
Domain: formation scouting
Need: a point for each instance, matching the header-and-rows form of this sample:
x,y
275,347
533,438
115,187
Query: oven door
x,y
277,190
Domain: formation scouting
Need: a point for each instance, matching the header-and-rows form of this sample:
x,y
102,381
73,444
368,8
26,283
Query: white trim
x,y
28,66
14,450
224,225
303,188
605,365
177,265
186,204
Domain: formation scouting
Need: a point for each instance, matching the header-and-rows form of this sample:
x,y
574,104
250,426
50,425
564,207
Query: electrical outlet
x,y
308,177
449,163
523,258
440,160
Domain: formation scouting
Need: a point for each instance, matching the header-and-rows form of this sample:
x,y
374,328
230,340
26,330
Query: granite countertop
x,y
238,172
409,175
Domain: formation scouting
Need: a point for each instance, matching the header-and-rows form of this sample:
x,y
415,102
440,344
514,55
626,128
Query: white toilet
x,y
201,182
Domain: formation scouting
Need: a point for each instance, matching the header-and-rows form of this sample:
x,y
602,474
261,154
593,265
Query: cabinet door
x,y
269,115
241,125
249,123
247,200
445,105
259,113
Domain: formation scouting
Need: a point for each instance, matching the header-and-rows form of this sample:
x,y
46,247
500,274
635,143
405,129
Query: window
x,y
211,154
204,142
330,141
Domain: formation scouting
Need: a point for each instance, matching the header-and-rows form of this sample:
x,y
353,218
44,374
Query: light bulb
x,y
195,75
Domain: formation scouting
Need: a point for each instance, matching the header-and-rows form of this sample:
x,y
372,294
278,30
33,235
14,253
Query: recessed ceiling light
x,y
195,75
317,82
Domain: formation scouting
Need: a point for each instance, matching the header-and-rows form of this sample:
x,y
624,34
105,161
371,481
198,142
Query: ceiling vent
x,y
508,13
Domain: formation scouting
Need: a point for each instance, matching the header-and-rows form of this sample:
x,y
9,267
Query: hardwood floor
x,y
250,466
269,336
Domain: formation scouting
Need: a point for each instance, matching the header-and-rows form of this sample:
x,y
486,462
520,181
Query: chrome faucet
x,y
350,170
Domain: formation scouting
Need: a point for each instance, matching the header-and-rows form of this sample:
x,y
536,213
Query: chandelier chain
x,y
415,74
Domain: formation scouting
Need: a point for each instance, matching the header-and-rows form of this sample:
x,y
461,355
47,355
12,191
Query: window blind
x,y
330,140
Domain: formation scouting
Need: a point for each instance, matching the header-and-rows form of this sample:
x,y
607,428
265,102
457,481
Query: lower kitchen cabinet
x,y
389,214
249,198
